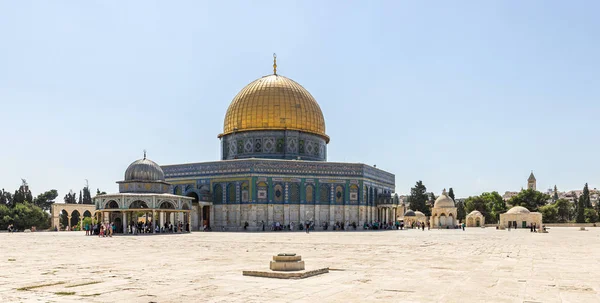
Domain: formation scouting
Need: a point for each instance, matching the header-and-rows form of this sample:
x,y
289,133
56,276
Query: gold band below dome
x,y
274,102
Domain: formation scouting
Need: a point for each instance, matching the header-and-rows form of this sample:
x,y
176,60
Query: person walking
x,y
307,227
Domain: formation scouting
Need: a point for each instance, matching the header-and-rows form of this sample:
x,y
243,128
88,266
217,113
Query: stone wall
x,y
233,217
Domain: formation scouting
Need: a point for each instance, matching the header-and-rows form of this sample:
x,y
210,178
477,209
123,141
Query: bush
x,y
24,216
590,215
549,213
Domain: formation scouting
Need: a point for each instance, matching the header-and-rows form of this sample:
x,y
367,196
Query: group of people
x,y
383,225
106,229
146,228
277,226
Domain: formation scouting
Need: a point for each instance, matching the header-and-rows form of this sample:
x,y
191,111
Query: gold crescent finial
x,y
274,64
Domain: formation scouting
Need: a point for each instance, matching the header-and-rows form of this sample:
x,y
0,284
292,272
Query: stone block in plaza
x,y
287,266
287,262
280,258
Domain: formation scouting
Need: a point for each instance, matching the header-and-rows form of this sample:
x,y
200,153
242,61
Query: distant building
x,y
531,182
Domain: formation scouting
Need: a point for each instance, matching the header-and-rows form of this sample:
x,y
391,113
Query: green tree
x,y
530,199
24,216
45,200
495,206
476,203
87,197
461,214
451,194
5,216
586,197
590,215
6,198
563,208
549,213
555,196
80,198
71,198
580,211
98,192
418,198
18,197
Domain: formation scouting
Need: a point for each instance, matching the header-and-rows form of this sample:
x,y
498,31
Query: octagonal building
x,y
273,169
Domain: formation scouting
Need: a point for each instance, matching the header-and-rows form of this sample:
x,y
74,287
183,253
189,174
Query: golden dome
x,y
274,102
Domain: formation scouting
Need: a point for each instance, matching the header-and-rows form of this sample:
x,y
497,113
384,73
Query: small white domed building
x,y
520,217
475,219
444,212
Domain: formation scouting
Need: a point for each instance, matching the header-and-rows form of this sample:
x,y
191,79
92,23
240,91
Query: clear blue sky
x,y
464,94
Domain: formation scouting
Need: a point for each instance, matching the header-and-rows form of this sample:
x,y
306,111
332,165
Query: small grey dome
x,y
144,170
409,213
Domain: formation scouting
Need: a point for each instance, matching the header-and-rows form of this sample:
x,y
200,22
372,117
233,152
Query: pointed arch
x,y
339,194
278,193
310,193
231,196
218,194
324,193
294,196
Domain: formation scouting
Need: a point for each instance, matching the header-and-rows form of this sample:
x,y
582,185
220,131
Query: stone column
x,y
69,222
201,219
124,221
153,223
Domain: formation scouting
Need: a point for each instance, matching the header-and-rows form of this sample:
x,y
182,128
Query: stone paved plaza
x,y
477,265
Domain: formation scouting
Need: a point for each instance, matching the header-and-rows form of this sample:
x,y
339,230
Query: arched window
x,y
353,192
310,194
245,192
324,193
231,193
166,205
218,194
262,191
294,193
278,193
138,204
111,204
339,194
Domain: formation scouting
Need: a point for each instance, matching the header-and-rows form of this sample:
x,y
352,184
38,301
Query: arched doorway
x,y
138,204
195,207
112,204
477,222
75,220
450,221
206,216
64,219
442,220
